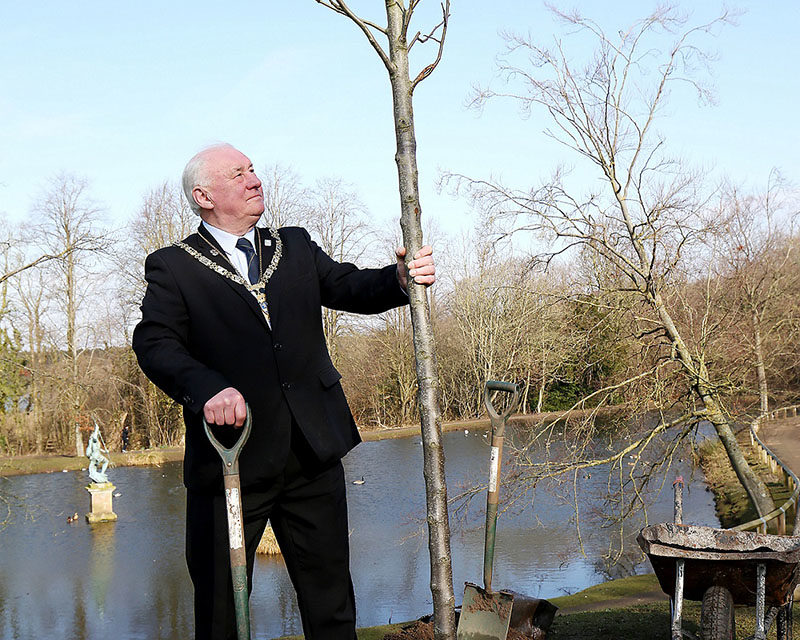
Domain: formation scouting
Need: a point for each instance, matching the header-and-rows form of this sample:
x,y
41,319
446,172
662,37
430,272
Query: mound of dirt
x,y
419,630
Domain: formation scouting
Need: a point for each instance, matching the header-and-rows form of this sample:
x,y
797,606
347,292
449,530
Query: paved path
x,y
783,437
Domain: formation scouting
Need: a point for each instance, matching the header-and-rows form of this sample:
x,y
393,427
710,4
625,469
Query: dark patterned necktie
x,y
243,244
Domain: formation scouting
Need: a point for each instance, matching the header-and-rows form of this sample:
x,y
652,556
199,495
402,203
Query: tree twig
x,y
443,25
340,7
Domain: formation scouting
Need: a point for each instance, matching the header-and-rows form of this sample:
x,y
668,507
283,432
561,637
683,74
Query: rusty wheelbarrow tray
x,y
722,557
720,568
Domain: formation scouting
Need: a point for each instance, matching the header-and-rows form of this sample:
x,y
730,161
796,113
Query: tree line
x,y
564,333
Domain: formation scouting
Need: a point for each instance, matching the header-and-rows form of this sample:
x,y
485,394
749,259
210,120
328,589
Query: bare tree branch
x,y
41,259
340,7
443,25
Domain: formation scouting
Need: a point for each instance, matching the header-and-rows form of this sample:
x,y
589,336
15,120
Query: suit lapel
x,y
265,247
209,247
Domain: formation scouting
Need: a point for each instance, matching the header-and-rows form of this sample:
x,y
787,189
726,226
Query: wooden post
x,y
796,516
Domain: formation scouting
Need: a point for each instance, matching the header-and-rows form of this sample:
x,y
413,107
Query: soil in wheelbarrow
x,y
419,630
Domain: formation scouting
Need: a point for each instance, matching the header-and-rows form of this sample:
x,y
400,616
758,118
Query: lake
x,y
127,580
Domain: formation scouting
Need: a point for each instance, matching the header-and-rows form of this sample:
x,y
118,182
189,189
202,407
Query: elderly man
x,y
232,315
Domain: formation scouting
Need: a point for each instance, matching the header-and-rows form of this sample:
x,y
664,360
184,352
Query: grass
x,y
731,502
19,465
649,621
621,591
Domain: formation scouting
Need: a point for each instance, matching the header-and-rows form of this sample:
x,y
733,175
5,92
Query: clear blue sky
x,y
125,93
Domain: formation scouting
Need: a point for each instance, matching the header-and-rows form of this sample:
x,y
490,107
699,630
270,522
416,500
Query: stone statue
x,y
96,457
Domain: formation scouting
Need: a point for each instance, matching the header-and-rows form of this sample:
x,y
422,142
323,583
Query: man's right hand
x,y
227,407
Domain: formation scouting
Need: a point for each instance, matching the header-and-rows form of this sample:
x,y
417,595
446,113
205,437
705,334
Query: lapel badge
x,y
214,253
267,242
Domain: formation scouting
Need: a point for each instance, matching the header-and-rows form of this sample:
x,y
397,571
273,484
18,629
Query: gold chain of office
x,y
259,289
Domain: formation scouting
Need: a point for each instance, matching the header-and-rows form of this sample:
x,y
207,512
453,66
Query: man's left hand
x,y
421,269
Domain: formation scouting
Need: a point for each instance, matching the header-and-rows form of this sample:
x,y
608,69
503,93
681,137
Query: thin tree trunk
x,y
760,370
72,347
540,399
396,63
427,376
756,489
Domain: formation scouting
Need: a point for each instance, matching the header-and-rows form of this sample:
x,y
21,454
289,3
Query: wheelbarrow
x,y
721,568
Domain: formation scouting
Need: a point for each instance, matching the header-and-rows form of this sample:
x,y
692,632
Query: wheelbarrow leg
x,y
785,621
761,581
677,601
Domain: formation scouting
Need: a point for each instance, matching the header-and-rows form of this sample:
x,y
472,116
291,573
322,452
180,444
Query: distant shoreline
x,y
52,463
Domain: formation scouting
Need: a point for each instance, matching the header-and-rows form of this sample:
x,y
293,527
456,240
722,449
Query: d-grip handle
x,y
230,457
507,387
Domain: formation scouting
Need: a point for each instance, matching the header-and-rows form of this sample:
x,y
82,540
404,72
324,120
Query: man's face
x,y
232,187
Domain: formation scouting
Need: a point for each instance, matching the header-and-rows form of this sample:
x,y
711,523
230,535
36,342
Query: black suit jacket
x,y
202,332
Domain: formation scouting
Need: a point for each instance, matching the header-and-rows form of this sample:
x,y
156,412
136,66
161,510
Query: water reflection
x,y
101,564
128,580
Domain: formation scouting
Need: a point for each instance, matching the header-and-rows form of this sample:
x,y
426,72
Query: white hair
x,y
194,174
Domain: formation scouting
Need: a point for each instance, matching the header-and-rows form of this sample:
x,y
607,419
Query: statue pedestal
x,y
101,497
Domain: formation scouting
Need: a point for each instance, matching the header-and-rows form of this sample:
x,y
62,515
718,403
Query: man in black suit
x,y
232,315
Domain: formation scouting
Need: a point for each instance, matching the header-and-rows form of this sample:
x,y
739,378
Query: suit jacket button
x,y
278,346
286,386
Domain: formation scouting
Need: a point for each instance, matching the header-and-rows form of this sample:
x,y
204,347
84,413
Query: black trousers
x,y
308,512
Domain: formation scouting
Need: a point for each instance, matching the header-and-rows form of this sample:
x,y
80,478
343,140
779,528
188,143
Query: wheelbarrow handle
x,y
230,457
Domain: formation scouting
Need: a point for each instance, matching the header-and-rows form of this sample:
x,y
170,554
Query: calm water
x,y
127,580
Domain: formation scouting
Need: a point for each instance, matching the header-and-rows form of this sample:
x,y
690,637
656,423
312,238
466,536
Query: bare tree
x,y
395,59
163,217
69,228
647,217
31,296
19,263
24,304
284,196
336,219
759,273
509,321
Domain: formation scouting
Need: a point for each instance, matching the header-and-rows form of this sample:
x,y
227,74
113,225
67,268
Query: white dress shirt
x,y
228,243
